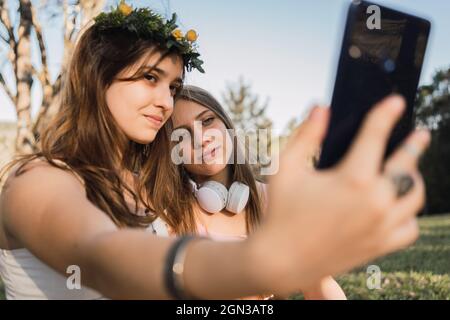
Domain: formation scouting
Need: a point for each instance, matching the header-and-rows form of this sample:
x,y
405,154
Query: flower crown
x,y
147,24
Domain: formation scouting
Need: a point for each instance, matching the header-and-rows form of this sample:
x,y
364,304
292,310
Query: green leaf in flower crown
x,y
170,43
199,68
173,21
149,25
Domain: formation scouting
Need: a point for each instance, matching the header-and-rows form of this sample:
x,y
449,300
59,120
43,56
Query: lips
x,y
211,153
154,119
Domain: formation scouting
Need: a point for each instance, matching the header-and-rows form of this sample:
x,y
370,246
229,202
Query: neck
x,y
222,177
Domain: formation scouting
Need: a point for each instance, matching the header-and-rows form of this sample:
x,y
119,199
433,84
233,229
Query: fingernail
x,y
424,134
317,114
397,103
311,113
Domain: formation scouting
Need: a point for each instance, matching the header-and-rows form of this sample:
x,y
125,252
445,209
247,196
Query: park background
x,y
268,62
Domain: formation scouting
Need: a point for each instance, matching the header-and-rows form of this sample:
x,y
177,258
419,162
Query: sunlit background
x,y
286,50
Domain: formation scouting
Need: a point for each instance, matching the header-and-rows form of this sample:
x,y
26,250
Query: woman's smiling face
x,y
210,145
140,108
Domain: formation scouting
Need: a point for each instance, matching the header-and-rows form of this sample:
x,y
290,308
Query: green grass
x,y
419,272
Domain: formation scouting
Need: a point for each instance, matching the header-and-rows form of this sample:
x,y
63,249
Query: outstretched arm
x,y
47,211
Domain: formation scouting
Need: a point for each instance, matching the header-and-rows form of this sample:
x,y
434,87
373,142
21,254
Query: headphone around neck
x,y
213,196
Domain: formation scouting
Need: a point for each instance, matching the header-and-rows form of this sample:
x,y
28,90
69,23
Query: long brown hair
x,y
83,133
238,171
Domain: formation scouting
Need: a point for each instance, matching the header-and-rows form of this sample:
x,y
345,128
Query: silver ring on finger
x,y
403,183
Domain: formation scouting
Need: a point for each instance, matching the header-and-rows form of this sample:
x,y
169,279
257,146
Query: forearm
x,y
130,265
225,270
127,264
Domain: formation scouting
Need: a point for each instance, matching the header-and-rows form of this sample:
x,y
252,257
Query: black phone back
x,y
375,61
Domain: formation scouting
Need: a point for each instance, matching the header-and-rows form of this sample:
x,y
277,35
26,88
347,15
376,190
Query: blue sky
x,y
286,49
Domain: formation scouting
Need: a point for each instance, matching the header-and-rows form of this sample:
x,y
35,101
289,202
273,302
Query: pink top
x,y
218,236
201,230
226,237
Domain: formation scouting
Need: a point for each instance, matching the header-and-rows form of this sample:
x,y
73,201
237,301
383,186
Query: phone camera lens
x,y
355,52
389,65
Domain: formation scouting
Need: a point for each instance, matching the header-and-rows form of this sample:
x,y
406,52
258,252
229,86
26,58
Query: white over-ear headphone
x,y
213,196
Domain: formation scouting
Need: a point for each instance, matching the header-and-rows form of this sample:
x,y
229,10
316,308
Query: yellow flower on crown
x,y
146,24
124,8
191,35
177,34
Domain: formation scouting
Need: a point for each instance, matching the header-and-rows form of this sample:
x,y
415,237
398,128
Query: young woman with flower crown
x,y
85,201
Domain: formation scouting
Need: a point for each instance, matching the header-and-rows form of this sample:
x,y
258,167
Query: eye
x,y
150,77
208,121
175,89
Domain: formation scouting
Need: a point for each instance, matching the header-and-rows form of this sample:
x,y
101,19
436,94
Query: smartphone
x,y
377,58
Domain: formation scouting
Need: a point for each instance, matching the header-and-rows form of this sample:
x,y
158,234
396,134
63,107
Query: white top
x,y
25,277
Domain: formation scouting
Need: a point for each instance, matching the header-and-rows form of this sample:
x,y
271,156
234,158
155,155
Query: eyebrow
x,y
162,72
196,118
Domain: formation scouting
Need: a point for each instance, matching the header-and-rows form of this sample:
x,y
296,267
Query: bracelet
x,y
174,268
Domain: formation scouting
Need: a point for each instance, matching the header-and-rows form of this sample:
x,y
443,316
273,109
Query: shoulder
x,y
44,200
35,186
40,176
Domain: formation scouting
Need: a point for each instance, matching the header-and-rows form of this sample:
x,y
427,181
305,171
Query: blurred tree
x,y
249,115
18,31
433,112
293,125
244,107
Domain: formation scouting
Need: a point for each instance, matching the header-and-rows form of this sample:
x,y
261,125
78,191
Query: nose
x,y
201,138
164,99
207,139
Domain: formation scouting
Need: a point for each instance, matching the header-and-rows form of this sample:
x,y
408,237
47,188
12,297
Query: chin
x,y
149,137
210,169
